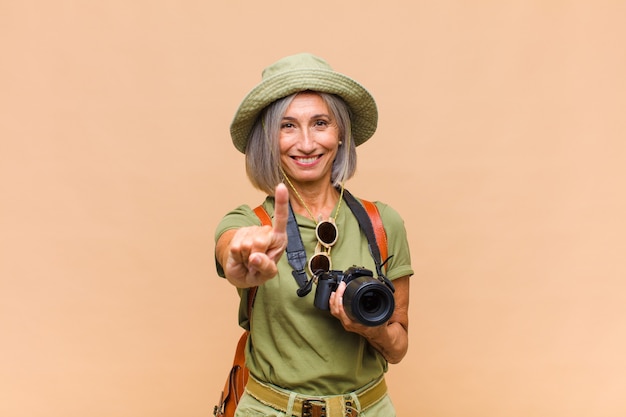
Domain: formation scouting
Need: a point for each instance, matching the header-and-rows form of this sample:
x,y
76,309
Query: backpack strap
x,y
379,229
261,213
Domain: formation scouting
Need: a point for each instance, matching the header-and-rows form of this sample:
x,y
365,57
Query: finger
x,y
236,255
253,262
281,208
244,255
341,288
336,301
261,267
240,246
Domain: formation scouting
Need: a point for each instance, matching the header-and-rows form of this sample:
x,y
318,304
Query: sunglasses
x,y
327,233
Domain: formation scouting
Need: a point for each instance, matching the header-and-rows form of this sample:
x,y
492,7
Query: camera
x,y
367,300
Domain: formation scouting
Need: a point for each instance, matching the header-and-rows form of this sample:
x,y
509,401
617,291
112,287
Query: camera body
x,y
367,300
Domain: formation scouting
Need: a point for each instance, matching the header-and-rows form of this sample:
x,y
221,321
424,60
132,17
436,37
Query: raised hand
x,y
249,254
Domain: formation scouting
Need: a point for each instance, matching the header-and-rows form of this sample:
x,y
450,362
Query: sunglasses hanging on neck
x,y
327,234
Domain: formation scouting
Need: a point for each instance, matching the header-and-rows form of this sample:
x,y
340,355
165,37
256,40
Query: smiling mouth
x,y
306,160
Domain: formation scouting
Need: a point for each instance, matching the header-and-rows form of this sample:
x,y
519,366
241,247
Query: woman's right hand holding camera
x,y
249,254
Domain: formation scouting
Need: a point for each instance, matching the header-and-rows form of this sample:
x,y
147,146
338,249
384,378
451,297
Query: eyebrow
x,y
315,116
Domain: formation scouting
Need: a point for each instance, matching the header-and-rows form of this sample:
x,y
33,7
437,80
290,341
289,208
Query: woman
x,y
298,129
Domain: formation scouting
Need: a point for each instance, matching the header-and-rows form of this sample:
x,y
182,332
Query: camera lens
x,y
368,301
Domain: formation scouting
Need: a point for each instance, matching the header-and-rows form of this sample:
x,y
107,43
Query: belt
x,y
313,406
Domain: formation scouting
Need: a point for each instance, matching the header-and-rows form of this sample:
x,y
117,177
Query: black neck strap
x,y
296,255
366,226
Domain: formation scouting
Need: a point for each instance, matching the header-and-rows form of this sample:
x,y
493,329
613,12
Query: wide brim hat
x,y
304,72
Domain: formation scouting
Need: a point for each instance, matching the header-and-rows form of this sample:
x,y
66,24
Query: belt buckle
x,y
313,408
317,408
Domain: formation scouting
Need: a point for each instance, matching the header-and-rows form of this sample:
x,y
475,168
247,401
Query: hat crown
x,y
296,62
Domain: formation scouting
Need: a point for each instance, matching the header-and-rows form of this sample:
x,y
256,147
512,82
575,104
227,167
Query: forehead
x,y
307,102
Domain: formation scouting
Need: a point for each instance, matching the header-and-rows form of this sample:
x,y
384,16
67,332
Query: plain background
x,y
501,142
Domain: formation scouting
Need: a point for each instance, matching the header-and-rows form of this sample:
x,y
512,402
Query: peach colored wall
x,y
501,141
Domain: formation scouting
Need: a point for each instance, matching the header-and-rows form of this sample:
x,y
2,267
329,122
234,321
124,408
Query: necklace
x,y
326,233
319,218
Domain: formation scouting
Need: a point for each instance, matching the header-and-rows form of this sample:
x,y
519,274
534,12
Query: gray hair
x,y
263,153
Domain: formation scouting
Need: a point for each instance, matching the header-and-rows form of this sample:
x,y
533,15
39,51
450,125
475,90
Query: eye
x,y
287,125
321,123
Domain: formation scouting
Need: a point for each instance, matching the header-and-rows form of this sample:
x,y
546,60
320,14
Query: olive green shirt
x,y
295,345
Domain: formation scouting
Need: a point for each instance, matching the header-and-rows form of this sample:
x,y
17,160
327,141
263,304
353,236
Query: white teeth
x,y
307,160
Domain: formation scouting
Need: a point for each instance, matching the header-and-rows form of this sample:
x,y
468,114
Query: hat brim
x,y
361,103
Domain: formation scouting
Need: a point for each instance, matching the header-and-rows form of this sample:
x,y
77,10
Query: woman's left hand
x,y
390,339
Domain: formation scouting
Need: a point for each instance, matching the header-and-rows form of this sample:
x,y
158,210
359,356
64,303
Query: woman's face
x,y
308,140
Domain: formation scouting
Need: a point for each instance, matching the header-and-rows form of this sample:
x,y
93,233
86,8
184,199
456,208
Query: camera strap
x,y
296,255
367,214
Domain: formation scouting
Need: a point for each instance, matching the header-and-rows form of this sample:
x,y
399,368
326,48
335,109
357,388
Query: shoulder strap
x,y
370,222
261,213
379,229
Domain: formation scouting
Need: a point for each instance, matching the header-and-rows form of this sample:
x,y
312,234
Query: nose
x,y
307,140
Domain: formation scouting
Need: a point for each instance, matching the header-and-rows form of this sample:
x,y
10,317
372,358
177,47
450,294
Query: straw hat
x,y
303,72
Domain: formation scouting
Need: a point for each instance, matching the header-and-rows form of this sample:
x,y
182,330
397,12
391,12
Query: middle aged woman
x,y
299,129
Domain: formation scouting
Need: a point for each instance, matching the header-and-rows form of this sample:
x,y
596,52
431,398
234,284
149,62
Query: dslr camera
x,y
367,300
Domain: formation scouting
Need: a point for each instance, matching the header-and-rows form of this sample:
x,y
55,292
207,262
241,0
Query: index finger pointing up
x,y
281,208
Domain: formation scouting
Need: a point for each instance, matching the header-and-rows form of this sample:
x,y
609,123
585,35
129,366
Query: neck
x,y
314,201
